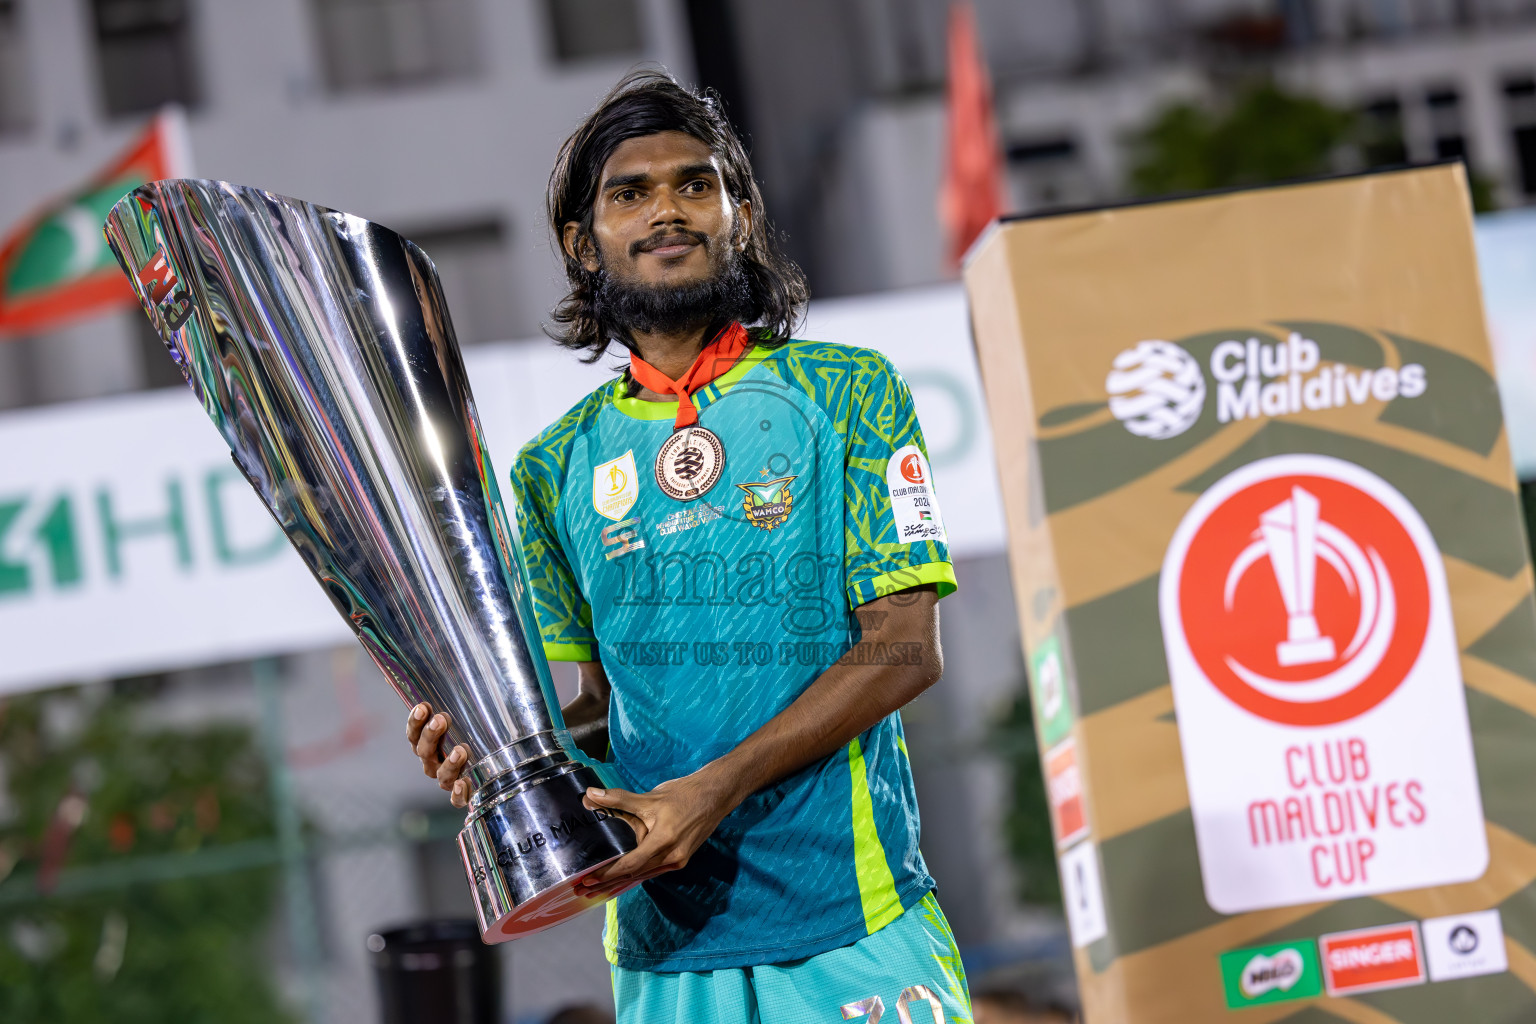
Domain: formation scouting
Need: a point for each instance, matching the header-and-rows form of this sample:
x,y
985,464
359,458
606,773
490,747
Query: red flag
x,y
972,194
56,267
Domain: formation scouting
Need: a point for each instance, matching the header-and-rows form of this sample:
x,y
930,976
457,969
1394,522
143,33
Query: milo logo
x,y
1265,974
1271,974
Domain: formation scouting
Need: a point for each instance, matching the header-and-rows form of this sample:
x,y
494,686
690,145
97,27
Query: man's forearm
x,y
586,717
674,818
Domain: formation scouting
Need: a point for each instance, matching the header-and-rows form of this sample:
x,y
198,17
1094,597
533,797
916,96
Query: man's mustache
x,y
667,236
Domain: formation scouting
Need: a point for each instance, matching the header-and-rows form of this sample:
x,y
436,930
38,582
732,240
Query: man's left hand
x,y
670,822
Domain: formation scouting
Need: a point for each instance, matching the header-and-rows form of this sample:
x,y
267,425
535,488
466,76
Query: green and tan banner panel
x,y
1276,599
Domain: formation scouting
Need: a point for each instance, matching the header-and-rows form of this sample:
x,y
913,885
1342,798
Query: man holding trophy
x,y
738,544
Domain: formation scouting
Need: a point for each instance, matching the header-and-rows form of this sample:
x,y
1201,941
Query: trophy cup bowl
x,y
320,346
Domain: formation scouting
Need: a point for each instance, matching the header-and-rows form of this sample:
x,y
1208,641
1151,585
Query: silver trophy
x,y
320,346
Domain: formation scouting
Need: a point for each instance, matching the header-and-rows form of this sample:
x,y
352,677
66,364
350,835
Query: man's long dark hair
x,y
648,101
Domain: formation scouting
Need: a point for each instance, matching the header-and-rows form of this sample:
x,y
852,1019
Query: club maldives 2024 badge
x,y
1318,691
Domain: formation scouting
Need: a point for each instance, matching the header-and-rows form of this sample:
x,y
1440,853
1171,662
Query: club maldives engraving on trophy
x,y
320,346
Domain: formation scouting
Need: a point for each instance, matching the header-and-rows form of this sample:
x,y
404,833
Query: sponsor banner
x,y
1464,945
1372,958
1307,625
1064,783
1052,695
124,521
1271,974
1082,894
1259,493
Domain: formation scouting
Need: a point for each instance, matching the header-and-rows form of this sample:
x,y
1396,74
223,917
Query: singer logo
x,y
1064,784
1372,958
1304,599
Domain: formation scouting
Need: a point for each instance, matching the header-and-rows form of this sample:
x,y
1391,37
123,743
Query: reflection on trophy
x,y
320,345
1290,530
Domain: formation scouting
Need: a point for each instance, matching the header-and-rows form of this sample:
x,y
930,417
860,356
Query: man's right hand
x,y
425,732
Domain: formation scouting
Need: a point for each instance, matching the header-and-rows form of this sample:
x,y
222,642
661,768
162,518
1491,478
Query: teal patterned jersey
x,y
710,615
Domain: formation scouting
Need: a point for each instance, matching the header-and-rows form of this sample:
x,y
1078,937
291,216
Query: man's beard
x,y
624,306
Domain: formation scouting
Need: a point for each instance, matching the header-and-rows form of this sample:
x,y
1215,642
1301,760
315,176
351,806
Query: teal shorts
x,y
907,972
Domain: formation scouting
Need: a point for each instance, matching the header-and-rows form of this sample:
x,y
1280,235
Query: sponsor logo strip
x,y
1271,974
1064,783
1372,958
1465,945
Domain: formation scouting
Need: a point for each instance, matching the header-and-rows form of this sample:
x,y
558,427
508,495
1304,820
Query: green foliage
x,y
1267,135
1027,824
187,950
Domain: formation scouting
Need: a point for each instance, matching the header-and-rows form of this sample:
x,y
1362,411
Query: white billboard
x,y
130,543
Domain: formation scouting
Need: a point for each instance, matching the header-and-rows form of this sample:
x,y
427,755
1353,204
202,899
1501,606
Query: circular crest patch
x,y
689,463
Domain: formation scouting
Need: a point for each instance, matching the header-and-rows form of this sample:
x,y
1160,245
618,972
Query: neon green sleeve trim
x,y
877,886
940,573
569,650
611,931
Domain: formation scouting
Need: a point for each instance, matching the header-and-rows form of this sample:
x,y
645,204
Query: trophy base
x,y
526,851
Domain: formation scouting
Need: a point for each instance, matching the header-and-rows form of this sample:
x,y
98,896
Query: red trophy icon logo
x,y
1290,539
1317,687
1304,599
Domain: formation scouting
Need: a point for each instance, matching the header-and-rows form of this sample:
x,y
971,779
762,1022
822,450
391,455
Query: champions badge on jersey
x,y
689,463
615,486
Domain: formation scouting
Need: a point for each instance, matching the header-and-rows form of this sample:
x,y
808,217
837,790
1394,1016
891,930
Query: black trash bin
x,y
436,972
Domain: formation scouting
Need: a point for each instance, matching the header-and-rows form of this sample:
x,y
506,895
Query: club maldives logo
x,y
1157,389
1302,595
912,469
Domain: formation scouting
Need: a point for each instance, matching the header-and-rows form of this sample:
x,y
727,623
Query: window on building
x,y
144,52
15,94
475,267
1382,142
1446,130
1520,104
589,29
370,44
1047,172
